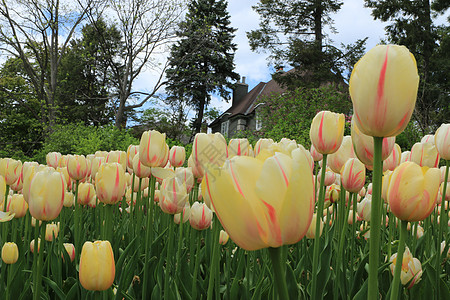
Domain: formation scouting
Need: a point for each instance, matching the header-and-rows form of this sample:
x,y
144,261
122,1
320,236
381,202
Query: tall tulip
x,y
152,148
425,155
200,216
119,157
10,253
131,153
10,169
173,196
110,183
209,149
393,160
177,156
86,191
353,175
77,167
238,147
52,159
97,266
139,169
327,131
442,141
17,205
337,159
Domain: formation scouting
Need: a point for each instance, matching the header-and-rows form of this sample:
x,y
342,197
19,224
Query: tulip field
x,y
353,217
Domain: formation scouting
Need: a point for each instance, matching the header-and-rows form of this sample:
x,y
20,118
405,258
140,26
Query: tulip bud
x,y
337,159
152,148
51,230
365,208
262,144
412,191
353,175
53,159
10,253
17,205
97,266
425,155
238,147
383,87
131,153
315,154
330,177
77,167
442,141
69,199
411,268
223,237
140,169
47,193
85,192
327,131
173,196
110,183
119,157
32,245
393,160
70,249
186,213
200,217
177,156
10,169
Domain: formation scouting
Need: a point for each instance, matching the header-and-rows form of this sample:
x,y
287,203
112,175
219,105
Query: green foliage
x,y
81,139
290,114
409,136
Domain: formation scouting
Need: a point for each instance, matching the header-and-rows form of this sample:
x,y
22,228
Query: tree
x,y
202,61
38,32
146,28
292,31
412,25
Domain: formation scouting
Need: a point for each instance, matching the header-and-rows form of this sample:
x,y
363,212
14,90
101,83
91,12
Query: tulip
x,y
385,185
353,175
185,175
442,141
97,266
10,253
411,268
412,191
186,213
139,169
131,153
152,148
96,163
393,160
10,169
262,144
6,216
17,205
144,183
315,154
425,155
119,157
32,245
300,150
197,170
209,149
337,159
406,156
47,191
173,196
200,217
2,190
77,167
86,191
383,87
330,177
177,156
238,147
69,199
365,208
65,173
223,237
110,183
70,249
53,159
311,233
327,131
51,230
33,222
263,203
447,191
162,173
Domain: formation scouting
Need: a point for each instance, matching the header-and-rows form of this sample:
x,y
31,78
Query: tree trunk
x,y
201,108
318,36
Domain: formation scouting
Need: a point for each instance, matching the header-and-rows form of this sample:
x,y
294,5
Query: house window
x,y
258,121
224,128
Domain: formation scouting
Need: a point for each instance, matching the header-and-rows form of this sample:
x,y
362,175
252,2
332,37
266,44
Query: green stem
x,y
319,213
442,231
180,242
278,275
148,237
169,259
40,265
375,217
353,235
398,265
214,259
77,222
342,263
197,264
4,225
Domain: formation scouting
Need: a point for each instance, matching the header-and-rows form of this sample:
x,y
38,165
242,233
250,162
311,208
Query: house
x,y
244,108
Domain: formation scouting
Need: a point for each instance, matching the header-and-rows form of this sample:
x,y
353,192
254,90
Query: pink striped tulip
x,y
173,196
200,217
353,175
383,87
177,156
110,183
117,157
425,155
70,249
17,205
327,131
52,159
315,154
209,149
411,268
442,141
77,167
412,191
263,203
152,148
337,159
10,169
139,169
131,153
238,147
393,160
86,191
262,144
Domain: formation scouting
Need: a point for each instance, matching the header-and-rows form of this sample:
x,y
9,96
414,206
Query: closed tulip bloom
x,y
365,208
412,191
200,217
33,222
425,155
327,131
70,249
406,156
10,169
177,156
51,230
364,146
353,175
209,149
152,148
47,193
96,163
139,169
442,141
10,253
197,169
77,167
85,193
17,205
447,192
131,153
185,175
119,157
393,160
173,196
315,154
263,203
65,173
262,144
52,159
110,183
429,138
238,147
411,268
337,159
330,177
186,213
332,193
300,150
32,245
311,233
385,184
97,266
223,237
383,87
69,199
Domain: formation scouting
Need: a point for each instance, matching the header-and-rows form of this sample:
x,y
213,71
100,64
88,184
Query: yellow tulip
x,y
425,155
77,167
186,176
110,183
406,156
119,157
96,163
47,191
32,245
69,199
2,191
311,233
337,159
52,159
238,147
10,253
173,196
17,205
70,249
411,268
139,169
353,175
442,141
327,131
223,237
263,203
186,213
383,87
6,216
364,208
177,156
209,149
65,173
51,230
97,266
412,191
10,169
315,154
200,217
152,148
262,144
131,153
86,191
393,160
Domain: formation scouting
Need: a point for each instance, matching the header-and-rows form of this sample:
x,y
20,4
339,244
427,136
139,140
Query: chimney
x,y
239,92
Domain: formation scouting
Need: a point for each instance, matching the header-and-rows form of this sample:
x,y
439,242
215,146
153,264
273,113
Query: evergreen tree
x,y
202,61
412,25
292,31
